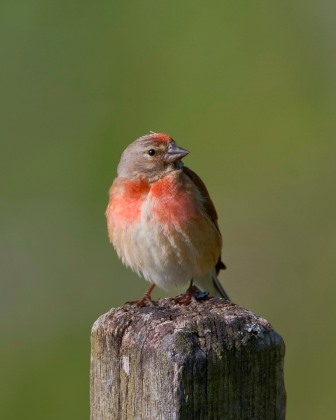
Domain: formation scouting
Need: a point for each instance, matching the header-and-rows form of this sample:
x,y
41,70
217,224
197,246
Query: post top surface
x,y
165,317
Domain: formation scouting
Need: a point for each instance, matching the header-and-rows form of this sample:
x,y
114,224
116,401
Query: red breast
x,y
126,199
174,202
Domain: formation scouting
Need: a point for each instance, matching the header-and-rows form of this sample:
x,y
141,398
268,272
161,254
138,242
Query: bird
x,y
162,221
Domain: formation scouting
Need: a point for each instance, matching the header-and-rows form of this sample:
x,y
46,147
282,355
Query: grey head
x,y
151,156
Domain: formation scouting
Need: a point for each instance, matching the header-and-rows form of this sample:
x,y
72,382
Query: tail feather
x,y
219,287
211,284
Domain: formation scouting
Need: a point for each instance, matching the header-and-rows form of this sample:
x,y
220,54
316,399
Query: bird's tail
x,y
211,284
219,288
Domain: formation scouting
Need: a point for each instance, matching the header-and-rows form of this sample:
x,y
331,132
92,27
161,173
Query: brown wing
x,y
208,205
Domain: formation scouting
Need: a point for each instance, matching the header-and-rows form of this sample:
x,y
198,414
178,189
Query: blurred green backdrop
x,y
249,89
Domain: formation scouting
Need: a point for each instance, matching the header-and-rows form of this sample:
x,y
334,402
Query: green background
x,y
249,88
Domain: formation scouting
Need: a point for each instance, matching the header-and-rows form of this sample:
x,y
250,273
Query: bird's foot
x,y
145,301
184,299
192,293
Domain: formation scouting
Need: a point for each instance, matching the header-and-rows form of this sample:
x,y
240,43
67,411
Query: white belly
x,y
169,253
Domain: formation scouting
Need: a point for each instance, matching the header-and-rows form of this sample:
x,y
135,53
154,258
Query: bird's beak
x,y
175,153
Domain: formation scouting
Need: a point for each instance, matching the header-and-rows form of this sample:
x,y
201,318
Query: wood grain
x,y
209,360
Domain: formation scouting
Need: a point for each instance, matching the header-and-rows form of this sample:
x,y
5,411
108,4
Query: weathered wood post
x,y
208,360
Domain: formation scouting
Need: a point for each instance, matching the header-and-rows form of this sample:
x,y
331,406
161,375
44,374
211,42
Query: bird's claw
x,y
145,301
141,303
192,293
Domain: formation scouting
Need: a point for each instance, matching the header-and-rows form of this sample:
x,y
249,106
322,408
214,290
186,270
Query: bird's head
x,y
151,157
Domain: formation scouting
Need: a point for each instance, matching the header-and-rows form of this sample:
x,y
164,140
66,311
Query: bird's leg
x,y
189,294
146,298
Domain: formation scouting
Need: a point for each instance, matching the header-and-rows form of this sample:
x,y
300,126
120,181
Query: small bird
x,y
161,220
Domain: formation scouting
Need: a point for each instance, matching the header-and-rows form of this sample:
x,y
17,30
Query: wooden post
x,y
208,360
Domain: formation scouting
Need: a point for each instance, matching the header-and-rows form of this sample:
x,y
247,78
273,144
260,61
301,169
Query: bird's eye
x,y
151,152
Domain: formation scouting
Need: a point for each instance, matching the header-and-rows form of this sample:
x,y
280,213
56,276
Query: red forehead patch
x,y
161,136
